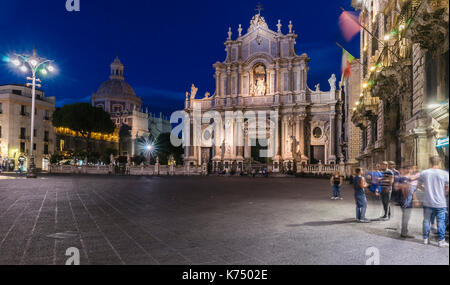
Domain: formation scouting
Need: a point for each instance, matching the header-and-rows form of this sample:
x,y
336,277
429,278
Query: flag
x,y
349,24
347,59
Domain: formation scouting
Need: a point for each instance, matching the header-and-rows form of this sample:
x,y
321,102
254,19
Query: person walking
x,y
375,177
434,182
386,182
407,192
359,184
336,181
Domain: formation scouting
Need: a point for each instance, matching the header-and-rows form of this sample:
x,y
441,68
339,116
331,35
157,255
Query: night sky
x,y
165,45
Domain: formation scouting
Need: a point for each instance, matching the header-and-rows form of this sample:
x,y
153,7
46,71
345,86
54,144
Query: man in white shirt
x,y
434,182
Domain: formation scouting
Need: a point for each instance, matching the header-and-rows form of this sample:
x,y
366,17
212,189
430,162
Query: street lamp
x,y
149,148
35,63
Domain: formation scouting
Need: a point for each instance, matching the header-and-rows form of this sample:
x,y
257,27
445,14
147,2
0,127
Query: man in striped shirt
x,y
386,182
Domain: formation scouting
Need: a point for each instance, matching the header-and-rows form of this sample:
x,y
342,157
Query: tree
x,y
84,119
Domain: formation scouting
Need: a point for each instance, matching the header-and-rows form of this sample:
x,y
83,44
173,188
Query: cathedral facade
x,y
262,72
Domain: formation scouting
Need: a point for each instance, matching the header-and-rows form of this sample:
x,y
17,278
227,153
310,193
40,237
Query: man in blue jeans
x,y
359,184
434,182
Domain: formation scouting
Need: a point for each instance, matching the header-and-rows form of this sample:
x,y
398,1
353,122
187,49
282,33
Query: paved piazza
x,y
195,220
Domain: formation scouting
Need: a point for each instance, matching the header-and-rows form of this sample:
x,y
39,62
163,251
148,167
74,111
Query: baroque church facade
x,y
263,72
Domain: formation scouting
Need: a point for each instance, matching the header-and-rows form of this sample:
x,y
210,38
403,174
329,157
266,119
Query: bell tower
x,y
116,69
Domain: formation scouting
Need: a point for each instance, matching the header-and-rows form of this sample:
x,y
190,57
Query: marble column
x,y
283,136
302,138
297,134
339,137
332,138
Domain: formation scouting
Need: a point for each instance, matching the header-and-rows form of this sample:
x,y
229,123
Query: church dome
x,y
115,88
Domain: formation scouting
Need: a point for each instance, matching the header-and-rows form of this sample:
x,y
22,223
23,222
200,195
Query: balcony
x,y
24,137
25,114
358,119
369,107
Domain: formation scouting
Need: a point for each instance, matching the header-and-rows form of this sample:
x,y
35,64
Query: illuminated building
x,y
15,108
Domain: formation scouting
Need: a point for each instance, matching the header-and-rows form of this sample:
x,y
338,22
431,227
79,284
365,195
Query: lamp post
x,y
35,64
149,149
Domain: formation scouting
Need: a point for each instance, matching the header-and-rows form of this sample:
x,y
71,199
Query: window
x,y
46,136
22,133
0,108
317,132
364,139
286,82
34,146
23,110
295,81
0,131
61,145
47,115
22,147
34,133
45,148
374,133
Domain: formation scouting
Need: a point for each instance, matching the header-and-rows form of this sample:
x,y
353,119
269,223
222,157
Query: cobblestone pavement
x,y
196,220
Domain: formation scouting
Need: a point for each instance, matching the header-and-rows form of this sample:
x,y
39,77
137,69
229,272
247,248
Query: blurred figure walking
x,y
386,182
434,182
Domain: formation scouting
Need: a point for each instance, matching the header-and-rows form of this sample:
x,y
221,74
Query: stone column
x,y
297,133
339,136
217,76
332,137
302,139
283,136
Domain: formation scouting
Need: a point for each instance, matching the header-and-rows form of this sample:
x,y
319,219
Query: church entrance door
x,y
317,154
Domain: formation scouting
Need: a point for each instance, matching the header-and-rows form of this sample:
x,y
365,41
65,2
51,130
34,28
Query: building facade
x,y
158,124
403,112
352,135
262,72
15,127
119,99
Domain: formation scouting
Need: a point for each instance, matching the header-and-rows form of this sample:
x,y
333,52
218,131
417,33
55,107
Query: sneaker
x,y
425,241
333,198
340,198
443,243
365,221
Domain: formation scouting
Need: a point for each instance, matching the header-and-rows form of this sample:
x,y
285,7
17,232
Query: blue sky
x,y
165,45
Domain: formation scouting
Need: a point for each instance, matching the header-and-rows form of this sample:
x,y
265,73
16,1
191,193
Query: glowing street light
x,y
34,63
149,147
16,62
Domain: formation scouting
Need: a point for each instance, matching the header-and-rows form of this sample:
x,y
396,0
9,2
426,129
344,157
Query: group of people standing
x,y
401,187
